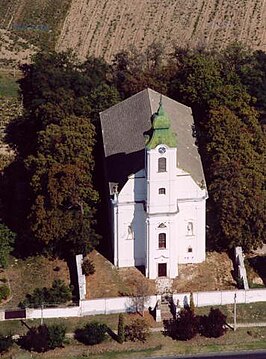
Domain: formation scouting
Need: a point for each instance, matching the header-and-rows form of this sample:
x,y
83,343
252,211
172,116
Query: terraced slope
x,y
103,27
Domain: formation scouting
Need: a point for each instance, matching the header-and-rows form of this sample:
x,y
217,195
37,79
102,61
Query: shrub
x,y
137,330
5,342
191,303
56,333
186,326
88,267
213,325
43,338
92,333
121,329
4,292
59,293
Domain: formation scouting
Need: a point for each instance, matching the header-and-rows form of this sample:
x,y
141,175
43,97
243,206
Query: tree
x,y
236,180
133,71
139,294
93,333
138,329
54,140
61,180
121,329
230,139
7,239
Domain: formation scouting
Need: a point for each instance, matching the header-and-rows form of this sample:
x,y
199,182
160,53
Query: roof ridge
x,y
125,100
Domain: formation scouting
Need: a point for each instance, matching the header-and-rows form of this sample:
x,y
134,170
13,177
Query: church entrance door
x,y
162,270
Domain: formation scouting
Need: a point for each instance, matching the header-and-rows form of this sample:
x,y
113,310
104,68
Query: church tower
x,y
161,205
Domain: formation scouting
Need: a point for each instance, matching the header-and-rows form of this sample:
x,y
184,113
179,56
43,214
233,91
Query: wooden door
x,y
162,270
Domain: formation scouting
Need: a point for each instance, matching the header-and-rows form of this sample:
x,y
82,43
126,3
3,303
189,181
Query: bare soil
x,y
105,27
102,28
213,274
108,281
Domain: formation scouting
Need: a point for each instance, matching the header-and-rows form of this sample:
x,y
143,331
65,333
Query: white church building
x,y
156,182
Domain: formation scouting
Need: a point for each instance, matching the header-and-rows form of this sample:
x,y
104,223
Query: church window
x,y
162,240
189,249
130,232
161,190
162,164
190,228
162,225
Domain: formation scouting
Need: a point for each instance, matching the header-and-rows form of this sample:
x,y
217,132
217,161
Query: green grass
x,y
252,312
15,326
8,85
156,345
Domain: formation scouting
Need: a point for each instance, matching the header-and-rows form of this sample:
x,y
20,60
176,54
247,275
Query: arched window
x,y
189,249
162,164
189,228
162,241
161,190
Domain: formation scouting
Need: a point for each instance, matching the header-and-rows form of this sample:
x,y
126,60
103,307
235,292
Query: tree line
x,y
53,192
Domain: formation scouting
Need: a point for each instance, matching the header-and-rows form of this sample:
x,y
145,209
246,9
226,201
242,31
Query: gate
x,y
15,314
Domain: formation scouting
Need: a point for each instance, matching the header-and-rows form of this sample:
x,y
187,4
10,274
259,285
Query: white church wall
x,y
134,189
191,232
131,232
187,188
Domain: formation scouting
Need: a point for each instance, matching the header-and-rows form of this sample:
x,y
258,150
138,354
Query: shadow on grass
x,y
112,334
258,263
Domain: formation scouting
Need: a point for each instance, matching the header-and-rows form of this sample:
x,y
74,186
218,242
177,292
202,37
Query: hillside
x,y
26,25
104,27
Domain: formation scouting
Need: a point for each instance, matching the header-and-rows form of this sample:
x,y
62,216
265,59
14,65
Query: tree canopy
x,y
50,190
54,141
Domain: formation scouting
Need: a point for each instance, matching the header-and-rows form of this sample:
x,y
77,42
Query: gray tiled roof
x,y
123,129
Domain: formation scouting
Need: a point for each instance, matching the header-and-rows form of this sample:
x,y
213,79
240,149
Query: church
x,y
156,182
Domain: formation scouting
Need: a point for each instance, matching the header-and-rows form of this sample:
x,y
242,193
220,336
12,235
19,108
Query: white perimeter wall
x,y
124,304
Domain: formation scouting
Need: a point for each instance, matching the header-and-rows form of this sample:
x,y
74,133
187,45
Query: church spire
x,y
162,133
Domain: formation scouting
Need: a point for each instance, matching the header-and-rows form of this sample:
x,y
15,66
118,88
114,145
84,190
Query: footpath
x,y
161,329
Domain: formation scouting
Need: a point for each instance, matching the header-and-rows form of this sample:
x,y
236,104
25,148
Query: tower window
x,y
161,190
162,164
189,249
189,228
162,240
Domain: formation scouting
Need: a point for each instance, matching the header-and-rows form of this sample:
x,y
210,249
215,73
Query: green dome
x,y
162,133
161,121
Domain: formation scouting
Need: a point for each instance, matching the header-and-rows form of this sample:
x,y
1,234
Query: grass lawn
x,y
253,312
8,85
34,272
156,345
